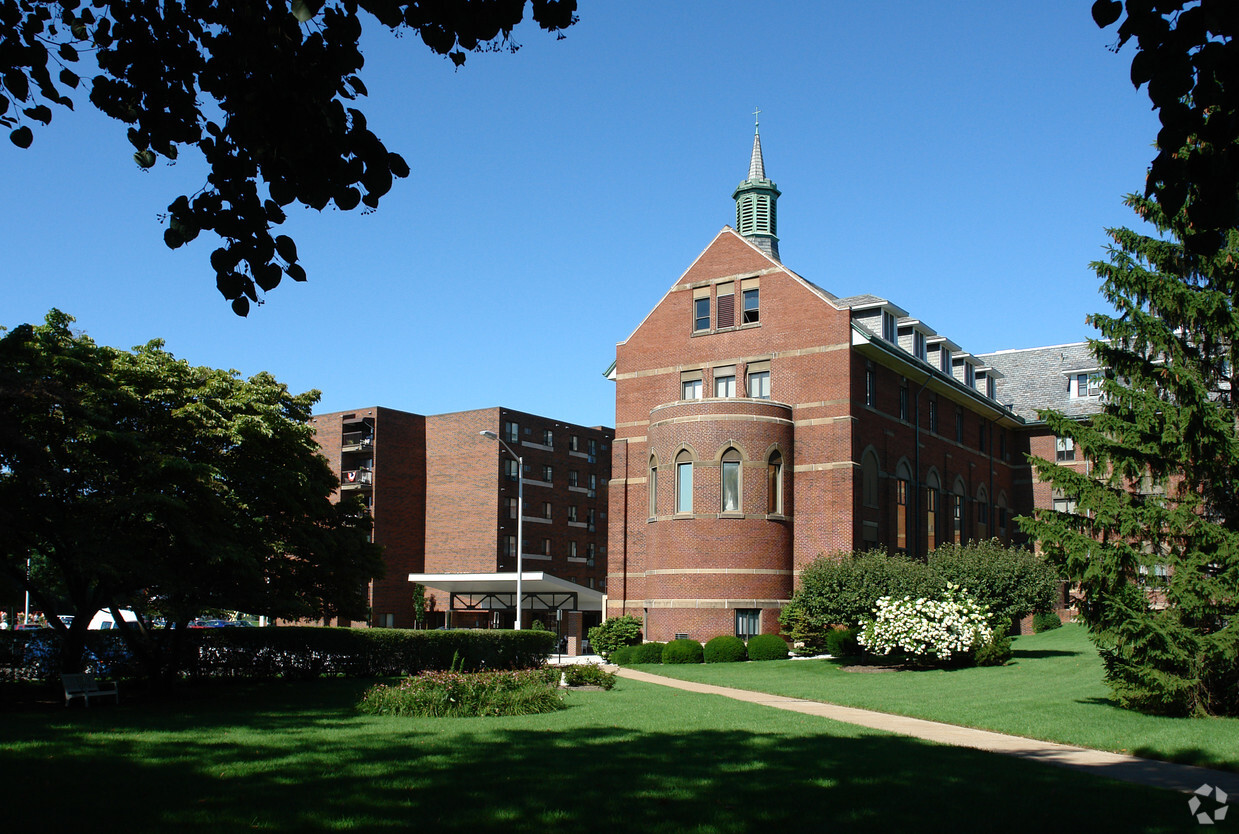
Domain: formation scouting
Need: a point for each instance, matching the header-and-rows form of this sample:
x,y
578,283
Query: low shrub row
x,y
722,649
285,652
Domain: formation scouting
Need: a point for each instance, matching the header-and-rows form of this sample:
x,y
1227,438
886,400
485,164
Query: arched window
x,y
957,511
774,486
903,478
652,485
869,478
731,481
932,493
982,513
684,482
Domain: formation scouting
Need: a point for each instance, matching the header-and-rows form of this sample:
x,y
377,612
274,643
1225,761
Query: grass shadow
x,y
651,759
1031,654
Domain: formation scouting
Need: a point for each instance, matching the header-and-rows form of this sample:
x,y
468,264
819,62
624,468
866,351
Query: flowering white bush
x,y
927,627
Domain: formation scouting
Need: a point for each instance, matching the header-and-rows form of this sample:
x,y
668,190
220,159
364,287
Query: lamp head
x,y
490,435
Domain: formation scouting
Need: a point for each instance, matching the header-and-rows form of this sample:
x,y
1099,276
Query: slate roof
x,y
1037,378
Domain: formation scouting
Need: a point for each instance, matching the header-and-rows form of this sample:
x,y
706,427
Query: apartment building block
x,y
444,503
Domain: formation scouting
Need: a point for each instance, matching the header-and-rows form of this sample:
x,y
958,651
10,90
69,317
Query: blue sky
x,y
961,159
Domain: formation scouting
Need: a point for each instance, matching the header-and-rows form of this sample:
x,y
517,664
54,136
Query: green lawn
x,y
1053,689
298,757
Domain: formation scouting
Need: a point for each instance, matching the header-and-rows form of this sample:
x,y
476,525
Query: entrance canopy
x,y
495,591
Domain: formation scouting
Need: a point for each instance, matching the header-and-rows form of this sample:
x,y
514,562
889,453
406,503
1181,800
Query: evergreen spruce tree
x,y
1154,538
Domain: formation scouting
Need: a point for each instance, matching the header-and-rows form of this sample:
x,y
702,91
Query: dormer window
x,y
970,375
1085,385
944,354
890,329
918,345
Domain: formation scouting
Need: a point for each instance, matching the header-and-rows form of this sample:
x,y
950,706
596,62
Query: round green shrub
x,y
841,642
683,651
767,647
613,633
623,655
1046,621
994,653
651,652
725,649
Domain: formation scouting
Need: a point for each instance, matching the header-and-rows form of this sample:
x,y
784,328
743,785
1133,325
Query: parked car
x,y
103,620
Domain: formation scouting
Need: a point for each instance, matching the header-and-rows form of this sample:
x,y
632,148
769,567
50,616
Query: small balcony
x,y
356,441
356,479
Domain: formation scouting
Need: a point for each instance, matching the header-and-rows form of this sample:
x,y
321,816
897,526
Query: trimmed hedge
x,y
683,651
623,656
651,652
767,647
725,648
298,652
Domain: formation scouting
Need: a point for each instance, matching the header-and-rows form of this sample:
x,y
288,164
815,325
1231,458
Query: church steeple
x,y
757,202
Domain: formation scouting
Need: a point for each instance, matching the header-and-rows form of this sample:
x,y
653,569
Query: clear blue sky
x,y
961,159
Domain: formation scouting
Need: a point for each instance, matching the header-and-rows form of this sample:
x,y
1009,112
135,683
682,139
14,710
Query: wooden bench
x,y
86,687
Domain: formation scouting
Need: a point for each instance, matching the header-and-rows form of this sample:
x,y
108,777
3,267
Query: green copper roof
x,y
757,203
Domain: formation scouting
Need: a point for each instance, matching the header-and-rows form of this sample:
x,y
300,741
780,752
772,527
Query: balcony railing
x,y
352,441
353,478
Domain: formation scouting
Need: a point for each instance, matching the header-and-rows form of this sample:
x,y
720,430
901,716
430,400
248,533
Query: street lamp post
x,y
520,513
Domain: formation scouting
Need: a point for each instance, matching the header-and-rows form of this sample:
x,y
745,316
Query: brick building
x,y
444,503
762,421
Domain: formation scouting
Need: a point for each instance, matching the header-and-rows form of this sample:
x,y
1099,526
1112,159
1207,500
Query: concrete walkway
x,y
1175,777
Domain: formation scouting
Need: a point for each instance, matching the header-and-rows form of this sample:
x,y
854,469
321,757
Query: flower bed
x,y
459,695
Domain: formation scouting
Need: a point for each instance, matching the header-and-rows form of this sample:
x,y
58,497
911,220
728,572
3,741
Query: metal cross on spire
x,y
756,121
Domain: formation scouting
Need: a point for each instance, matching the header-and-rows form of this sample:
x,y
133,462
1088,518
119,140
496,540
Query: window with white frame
x,y
759,380
652,486
774,485
1064,449
684,483
690,385
731,481
725,381
1085,385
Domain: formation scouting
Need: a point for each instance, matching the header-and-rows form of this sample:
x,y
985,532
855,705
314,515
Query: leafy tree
x,y
265,90
138,481
1162,493
1187,56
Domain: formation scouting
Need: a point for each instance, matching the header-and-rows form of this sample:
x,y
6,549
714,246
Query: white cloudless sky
x,y
961,159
